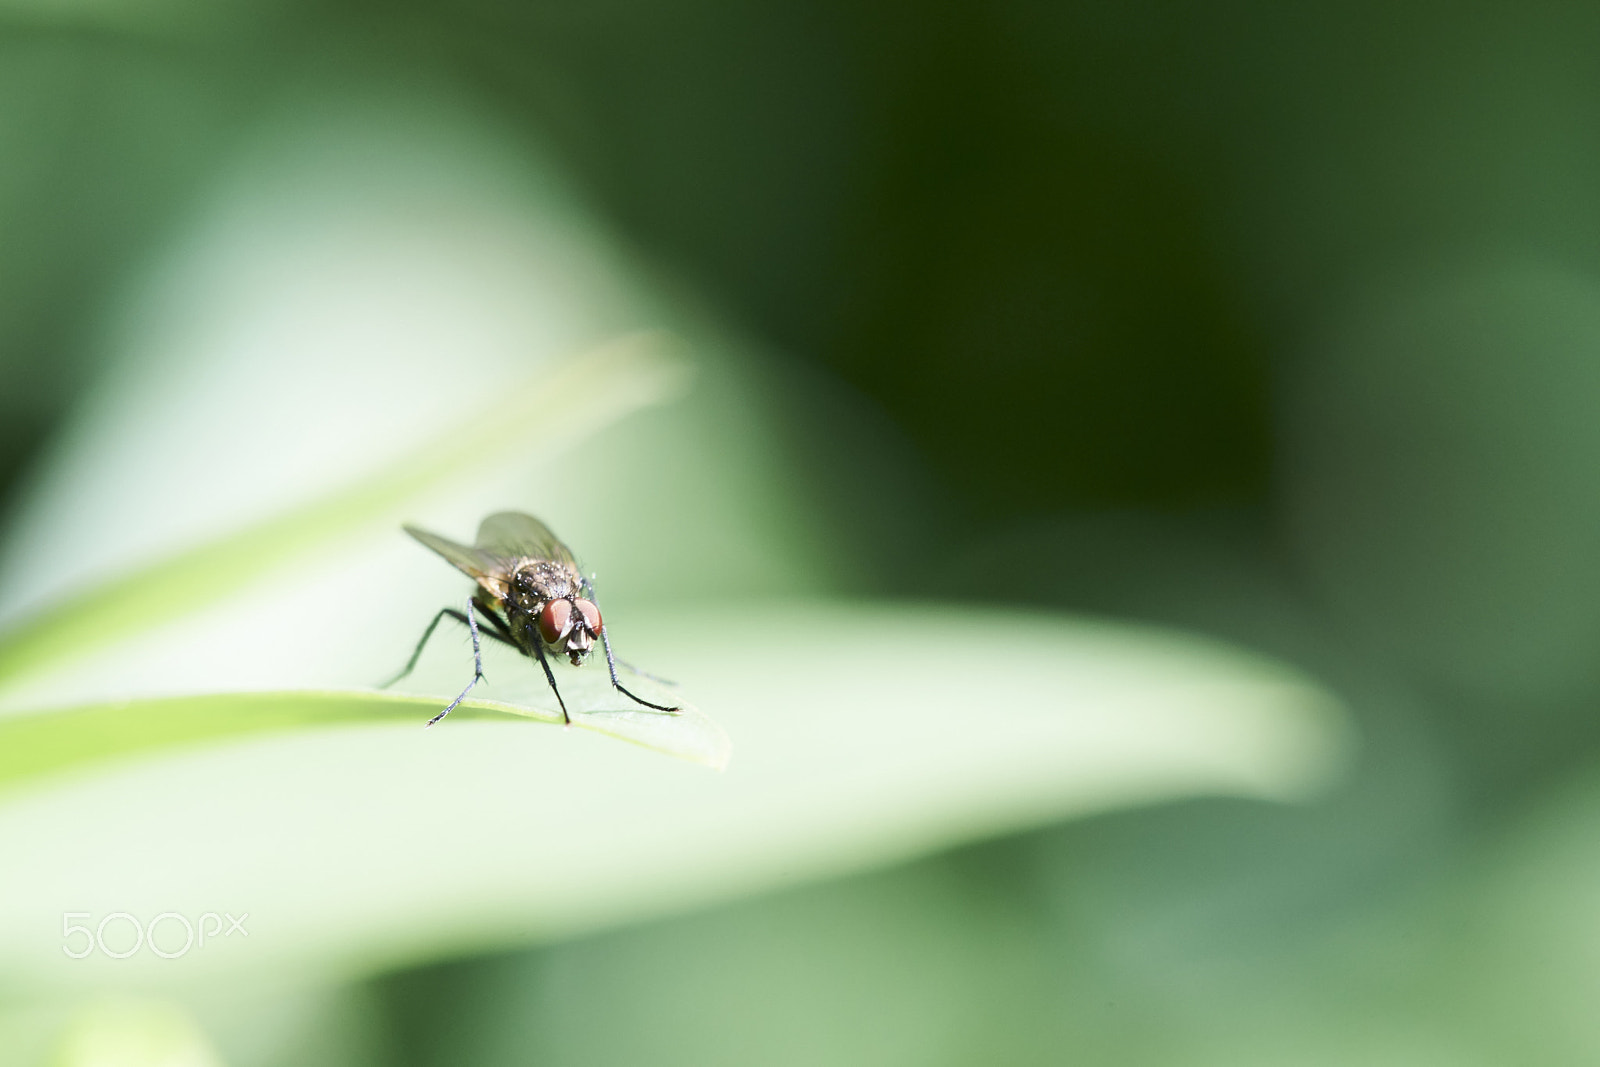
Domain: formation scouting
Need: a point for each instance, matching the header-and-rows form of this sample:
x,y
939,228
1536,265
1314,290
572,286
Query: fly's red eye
x,y
591,615
555,620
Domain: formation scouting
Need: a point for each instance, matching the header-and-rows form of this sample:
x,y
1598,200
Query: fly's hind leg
x,y
417,654
504,639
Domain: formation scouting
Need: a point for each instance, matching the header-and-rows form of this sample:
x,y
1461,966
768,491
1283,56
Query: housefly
x,y
531,594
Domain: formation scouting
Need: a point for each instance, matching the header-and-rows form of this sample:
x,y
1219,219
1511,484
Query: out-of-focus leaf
x,y
602,386
135,1033
313,339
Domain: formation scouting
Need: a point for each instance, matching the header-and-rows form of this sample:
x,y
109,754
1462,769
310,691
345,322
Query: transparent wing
x,y
474,562
511,533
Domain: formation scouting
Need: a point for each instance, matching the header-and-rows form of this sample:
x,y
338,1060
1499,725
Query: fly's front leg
x,y
477,664
452,613
550,676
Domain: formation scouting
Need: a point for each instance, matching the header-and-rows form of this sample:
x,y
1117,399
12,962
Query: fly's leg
x,y
462,619
631,669
477,664
611,662
412,662
550,676
504,636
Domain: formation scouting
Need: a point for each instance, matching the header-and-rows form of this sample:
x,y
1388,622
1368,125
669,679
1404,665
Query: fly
x,y
531,594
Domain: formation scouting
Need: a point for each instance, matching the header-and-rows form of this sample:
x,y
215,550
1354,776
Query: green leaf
x,y
47,743
482,833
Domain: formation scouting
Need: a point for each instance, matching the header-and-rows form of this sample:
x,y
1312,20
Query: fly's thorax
x,y
536,582
524,629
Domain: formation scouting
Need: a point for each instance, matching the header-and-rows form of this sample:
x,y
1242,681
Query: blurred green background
x,y
1279,323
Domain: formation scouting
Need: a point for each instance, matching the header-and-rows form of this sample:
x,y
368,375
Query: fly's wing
x,y
473,562
510,534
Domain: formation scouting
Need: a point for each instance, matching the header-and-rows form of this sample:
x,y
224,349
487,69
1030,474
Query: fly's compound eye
x,y
555,620
591,615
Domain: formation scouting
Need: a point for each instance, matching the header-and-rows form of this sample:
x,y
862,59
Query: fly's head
x,y
569,625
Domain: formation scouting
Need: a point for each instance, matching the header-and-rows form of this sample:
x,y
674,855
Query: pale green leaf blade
x,y
481,833
56,742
